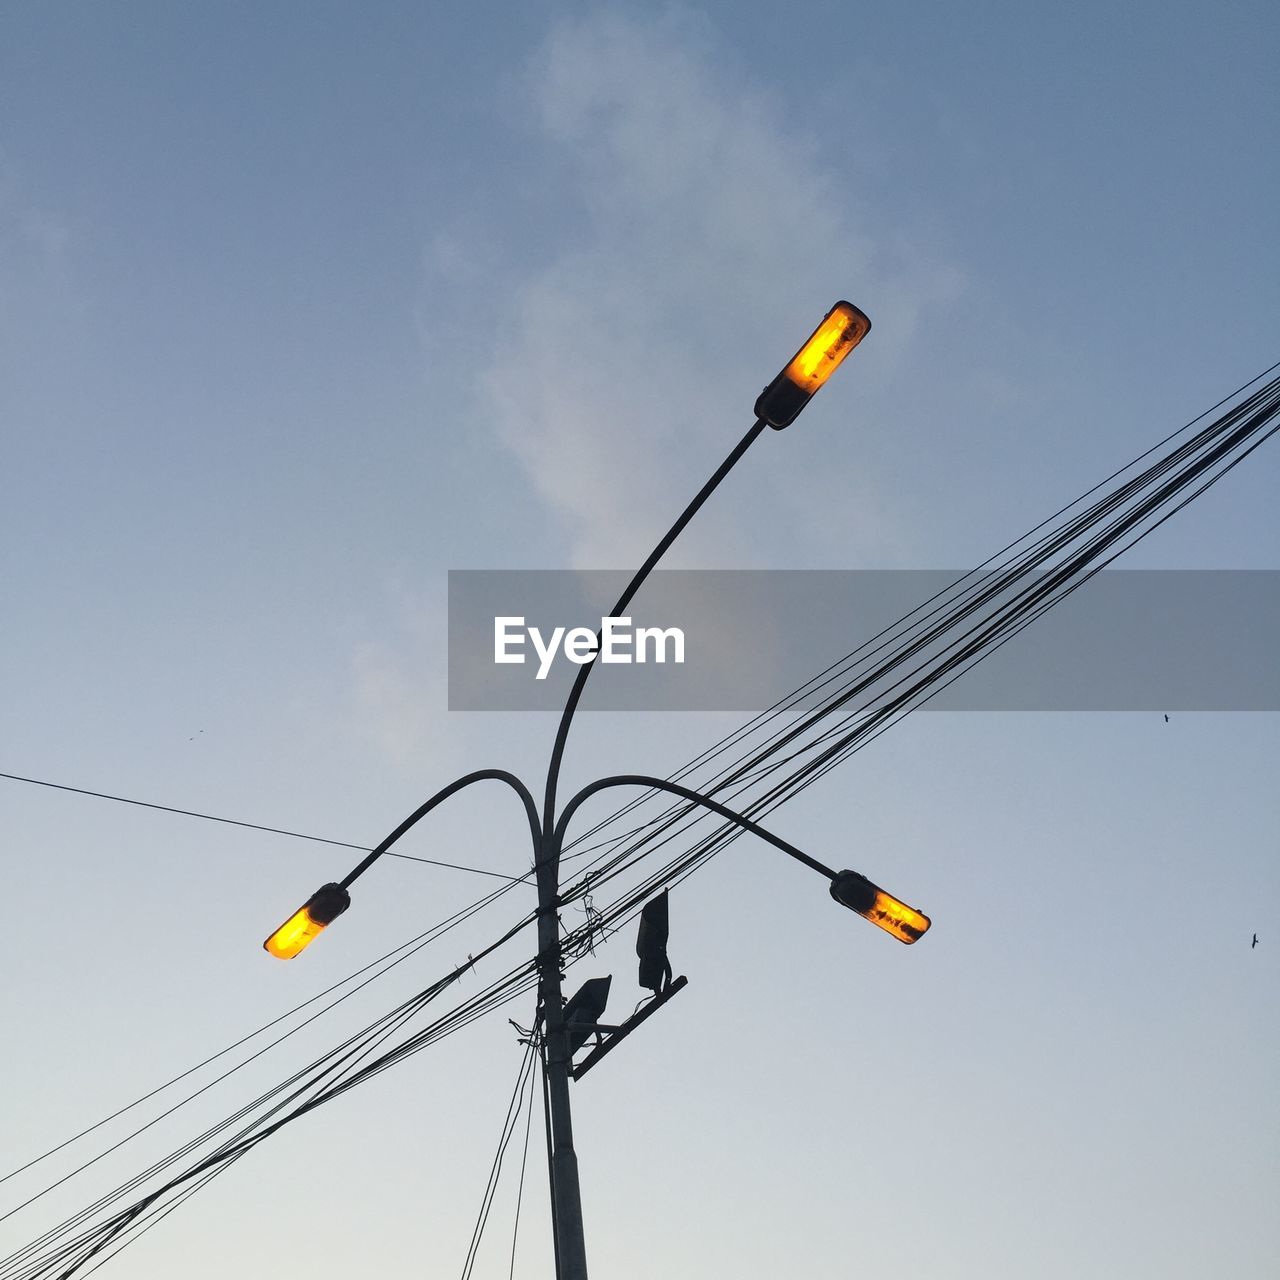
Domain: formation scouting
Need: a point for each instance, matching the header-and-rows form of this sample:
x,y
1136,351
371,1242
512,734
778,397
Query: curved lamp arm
x,y
331,900
481,775
579,683
661,784
849,888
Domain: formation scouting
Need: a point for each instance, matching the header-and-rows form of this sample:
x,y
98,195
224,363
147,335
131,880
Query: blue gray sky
x,y
302,308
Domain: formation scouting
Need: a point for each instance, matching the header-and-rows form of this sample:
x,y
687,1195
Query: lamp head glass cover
x,y
300,929
842,328
883,910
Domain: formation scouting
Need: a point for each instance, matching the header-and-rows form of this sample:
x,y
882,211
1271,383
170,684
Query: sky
x,y
301,309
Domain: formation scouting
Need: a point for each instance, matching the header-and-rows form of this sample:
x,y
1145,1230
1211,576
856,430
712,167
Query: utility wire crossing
x,y
250,826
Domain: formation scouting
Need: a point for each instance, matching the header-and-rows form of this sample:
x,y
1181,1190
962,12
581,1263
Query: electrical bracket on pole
x,y
622,1032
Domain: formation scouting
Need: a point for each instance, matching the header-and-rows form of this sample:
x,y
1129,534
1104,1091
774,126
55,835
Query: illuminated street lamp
x,y
842,328
306,924
884,910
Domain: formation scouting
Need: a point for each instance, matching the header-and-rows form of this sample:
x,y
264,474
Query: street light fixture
x,y
841,330
585,1008
306,924
651,944
884,910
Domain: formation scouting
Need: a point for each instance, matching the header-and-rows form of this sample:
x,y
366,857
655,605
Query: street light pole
x,y
841,330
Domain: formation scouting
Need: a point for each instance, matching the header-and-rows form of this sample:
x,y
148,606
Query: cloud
x,y
660,241
693,220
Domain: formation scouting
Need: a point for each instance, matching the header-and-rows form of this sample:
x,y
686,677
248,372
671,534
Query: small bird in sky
x,y
1254,943
194,735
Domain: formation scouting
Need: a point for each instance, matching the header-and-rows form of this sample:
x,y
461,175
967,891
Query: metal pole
x,y
571,1248
546,1117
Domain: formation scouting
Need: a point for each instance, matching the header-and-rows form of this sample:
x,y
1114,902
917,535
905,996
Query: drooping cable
x,y
524,1078
524,1163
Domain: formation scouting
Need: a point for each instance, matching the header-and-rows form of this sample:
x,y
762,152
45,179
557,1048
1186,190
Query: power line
x,y
1122,518
251,826
509,1126
524,1161
334,1073
388,961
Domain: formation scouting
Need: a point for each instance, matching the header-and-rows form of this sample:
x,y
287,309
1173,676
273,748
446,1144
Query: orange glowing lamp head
x,y
843,327
882,909
321,909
